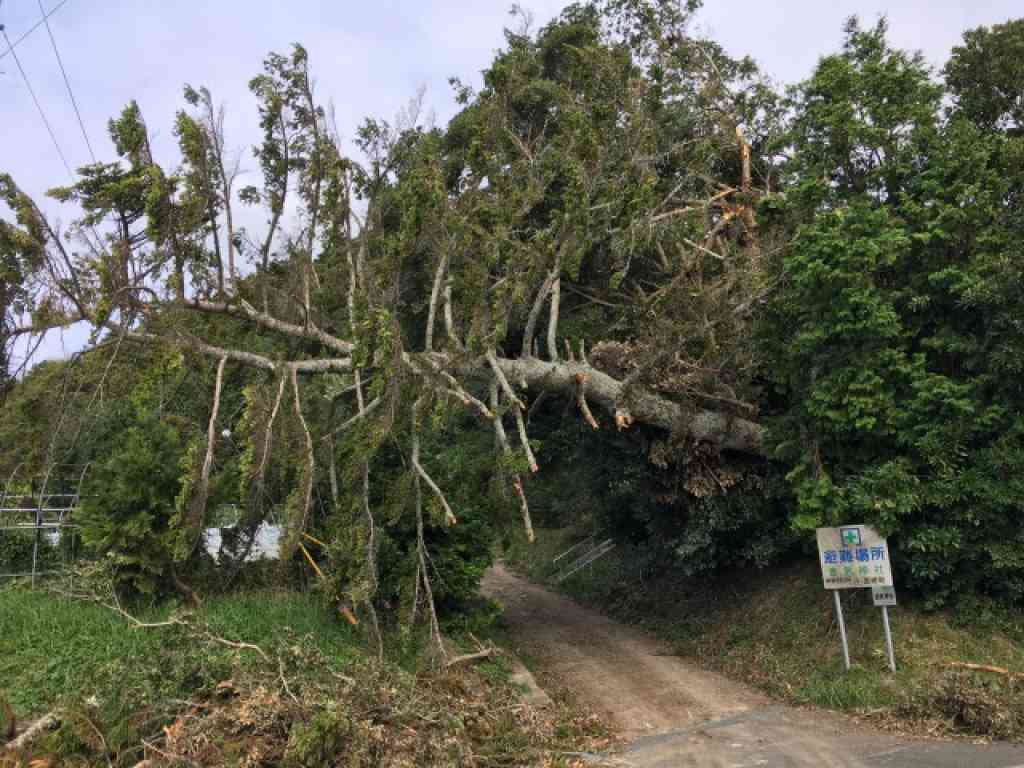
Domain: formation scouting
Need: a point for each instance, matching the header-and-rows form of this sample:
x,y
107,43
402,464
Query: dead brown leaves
x,y
388,718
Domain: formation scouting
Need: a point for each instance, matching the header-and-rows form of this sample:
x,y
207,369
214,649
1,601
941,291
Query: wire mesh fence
x,y
38,536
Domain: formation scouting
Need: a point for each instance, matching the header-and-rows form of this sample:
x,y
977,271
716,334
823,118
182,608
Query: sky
x,y
368,58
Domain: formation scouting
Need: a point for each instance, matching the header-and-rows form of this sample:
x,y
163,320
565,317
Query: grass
x,y
124,693
776,629
52,648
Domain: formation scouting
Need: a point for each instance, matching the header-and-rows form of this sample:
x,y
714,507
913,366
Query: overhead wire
x,y
67,83
33,28
39,106
74,102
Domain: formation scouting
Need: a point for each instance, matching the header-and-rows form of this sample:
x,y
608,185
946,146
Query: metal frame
x,y
583,542
587,558
48,511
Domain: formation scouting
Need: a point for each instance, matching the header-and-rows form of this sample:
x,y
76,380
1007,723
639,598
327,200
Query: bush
x,y
129,505
893,344
16,552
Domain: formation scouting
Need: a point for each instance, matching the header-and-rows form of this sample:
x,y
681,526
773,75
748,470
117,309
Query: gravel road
x,y
672,713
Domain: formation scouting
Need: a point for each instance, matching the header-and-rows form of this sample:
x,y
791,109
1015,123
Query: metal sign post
x,y
842,629
888,638
884,597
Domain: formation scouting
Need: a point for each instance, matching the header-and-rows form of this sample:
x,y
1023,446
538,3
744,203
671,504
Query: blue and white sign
x,y
853,557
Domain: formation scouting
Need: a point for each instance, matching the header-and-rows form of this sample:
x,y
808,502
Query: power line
x,y
39,107
67,83
42,114
10,45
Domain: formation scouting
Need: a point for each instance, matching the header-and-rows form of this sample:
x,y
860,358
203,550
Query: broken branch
x,y
581,399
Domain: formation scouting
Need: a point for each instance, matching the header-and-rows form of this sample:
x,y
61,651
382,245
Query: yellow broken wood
x,y
312,562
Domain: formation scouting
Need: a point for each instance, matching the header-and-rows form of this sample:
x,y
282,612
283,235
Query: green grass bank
x,y
259,678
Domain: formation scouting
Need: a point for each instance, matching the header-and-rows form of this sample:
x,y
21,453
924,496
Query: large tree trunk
x,y
727,432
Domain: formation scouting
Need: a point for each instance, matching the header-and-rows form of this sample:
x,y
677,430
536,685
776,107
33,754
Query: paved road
x,y
674,714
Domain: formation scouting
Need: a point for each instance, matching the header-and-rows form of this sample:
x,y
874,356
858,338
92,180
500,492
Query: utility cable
x,y
11,46
39,107
67,83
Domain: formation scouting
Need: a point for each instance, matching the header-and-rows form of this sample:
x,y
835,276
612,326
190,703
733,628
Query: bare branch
x,y
453,385
238,645
174,621
268,438
581,399
247,358
449,322
534,316
306,331
251,359
307,493
362,414
524,506
702,249
556,301
485,653
500,438
449,516
423,575
352,284
517,408
371,528
316,168
435,293
202,491
503,381
517,483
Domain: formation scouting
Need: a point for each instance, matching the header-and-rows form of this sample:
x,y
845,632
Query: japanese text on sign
x,y
883,596
853,556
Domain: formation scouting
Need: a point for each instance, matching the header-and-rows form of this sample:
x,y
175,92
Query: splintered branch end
x,y
623,419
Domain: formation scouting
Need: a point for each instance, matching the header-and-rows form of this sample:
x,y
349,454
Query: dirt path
x,y
675,714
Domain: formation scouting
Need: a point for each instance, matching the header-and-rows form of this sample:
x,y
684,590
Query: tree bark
x,y
534,316
435,294
556,303
727,432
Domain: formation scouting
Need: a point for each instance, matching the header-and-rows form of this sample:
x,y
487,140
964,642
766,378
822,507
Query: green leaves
x,y
861,117
984,76
127,510
882,336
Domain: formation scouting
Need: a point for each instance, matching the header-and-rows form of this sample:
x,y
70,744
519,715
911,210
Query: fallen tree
x,y
567,184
